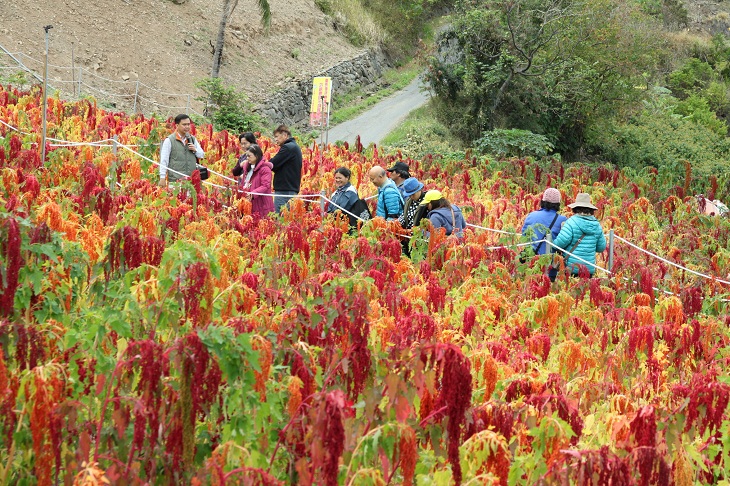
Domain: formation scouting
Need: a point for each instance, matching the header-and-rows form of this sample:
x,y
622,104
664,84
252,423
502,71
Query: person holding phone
x,y
180,152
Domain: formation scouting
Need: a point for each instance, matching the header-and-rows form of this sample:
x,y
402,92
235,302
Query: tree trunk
x,y
500,93
228,7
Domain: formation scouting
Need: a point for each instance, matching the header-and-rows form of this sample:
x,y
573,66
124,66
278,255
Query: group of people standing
x,y
400,196
180,154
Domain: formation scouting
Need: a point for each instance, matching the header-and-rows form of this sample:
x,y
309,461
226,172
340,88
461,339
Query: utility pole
x,y
45,98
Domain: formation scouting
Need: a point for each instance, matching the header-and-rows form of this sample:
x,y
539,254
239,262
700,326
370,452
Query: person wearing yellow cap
x,y
441,213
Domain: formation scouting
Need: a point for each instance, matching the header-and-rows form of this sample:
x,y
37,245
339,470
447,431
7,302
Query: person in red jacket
x,y
256,181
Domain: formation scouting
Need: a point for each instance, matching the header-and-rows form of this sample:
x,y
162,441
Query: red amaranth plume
x,y
92,179
436,294
454,395
594,467
539,286
16,145
31,185
646,280
329,436
470,315
152,250
194,289
708,393
644,430
195,181
692,300
10,248
641,336
105,205
378,278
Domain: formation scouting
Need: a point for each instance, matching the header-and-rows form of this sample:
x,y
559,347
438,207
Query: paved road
x,y
374,124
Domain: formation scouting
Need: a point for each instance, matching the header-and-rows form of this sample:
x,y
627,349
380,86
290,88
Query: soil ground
x,y
167,46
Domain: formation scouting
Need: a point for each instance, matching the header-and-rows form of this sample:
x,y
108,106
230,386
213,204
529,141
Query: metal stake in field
x,y
45,97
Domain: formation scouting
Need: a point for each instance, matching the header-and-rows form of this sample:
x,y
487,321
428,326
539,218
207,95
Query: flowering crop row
x,y
154,336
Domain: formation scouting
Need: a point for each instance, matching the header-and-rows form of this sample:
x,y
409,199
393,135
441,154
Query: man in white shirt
x,y
179,153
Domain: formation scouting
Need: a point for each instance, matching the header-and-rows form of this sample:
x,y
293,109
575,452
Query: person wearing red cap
x,y
546,219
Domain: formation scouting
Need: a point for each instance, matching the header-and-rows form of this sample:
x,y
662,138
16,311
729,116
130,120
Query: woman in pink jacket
x,y
256,180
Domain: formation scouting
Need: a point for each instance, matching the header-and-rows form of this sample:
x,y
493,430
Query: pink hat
x,y
551,195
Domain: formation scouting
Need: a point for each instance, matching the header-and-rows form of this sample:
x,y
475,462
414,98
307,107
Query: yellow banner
x,y
321,92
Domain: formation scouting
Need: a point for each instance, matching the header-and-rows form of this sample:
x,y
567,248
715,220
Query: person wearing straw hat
x,y
441,213
581,236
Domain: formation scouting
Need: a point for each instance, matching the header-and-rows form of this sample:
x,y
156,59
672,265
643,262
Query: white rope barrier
x,y
493,230
578,258
330,201
709,277
516,245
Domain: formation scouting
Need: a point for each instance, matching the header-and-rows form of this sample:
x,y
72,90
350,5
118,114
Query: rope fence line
x,y
315,197
494,230
74,88
709,277
95,75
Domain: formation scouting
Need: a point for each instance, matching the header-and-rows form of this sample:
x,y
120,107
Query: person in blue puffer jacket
x,y
390,202
581,235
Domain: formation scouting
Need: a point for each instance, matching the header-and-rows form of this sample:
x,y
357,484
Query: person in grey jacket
x,y
441,213
581,235
345,195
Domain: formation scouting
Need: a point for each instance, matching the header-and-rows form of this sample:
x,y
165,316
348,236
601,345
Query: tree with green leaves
x,y
547,66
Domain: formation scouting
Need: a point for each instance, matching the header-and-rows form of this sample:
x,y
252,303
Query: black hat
x,y
400,167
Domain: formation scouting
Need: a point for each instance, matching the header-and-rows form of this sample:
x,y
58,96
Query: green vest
x,y
181,159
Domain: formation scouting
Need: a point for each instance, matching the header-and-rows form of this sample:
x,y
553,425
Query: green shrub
x,y
718,97
695,75
513,143
697,109
664,141
227,108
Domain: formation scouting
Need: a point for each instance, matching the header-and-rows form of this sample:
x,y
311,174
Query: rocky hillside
x,y
168,46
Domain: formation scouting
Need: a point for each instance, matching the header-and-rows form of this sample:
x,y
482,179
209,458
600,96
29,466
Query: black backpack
x,y
361,210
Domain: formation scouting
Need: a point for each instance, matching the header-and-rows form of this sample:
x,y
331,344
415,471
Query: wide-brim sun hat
x,y
582,200
431,196
411,186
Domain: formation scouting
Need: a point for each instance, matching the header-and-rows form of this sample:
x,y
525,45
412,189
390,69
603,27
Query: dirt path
x,y
381,119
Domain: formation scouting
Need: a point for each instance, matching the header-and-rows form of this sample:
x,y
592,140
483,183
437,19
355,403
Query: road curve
x,y
377,122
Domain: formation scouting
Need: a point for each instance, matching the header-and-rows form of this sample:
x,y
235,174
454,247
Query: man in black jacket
x,y
287,167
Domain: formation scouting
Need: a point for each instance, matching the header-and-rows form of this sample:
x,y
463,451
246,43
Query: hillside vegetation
x,y
622,82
